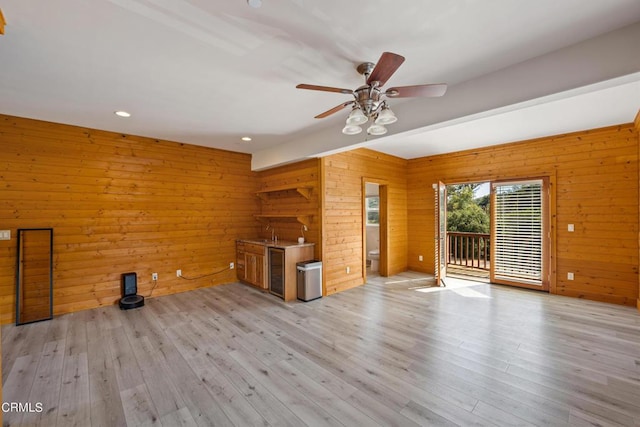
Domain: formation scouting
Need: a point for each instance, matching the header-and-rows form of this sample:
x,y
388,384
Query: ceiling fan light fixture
x,y
356,117
369,102
351,130
386,116
376,130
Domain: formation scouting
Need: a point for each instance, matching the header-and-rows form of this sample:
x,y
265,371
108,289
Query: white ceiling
x,y
210,72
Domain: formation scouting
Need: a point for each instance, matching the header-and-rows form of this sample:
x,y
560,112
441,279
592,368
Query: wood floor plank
x,y
104,392
180,418
239,410
302,406
330,381
381,414
498,416
46,386
125,364
273,411
21,341
426,417
203,407
74,407
138,407
76,339
164,394
343,412
394,352
18,384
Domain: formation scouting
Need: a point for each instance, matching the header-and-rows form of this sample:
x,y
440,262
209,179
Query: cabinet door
x,y
250,269
240,261
259,271
241,266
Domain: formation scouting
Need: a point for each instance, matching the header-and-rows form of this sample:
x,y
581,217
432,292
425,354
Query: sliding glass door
x,y
520,233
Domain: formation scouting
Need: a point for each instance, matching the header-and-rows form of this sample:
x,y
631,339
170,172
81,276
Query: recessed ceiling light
x,y
246,138
122,114
254,3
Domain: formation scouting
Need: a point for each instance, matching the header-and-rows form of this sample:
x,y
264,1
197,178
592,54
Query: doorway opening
x,y
468,224
372,228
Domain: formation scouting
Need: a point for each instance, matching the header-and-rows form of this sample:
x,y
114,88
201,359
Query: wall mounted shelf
x,y
302,219
304,191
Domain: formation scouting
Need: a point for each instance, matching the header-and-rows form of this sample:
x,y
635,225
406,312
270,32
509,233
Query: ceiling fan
x,y
369,102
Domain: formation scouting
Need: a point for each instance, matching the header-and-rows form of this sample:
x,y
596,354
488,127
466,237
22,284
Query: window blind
x,y
518,231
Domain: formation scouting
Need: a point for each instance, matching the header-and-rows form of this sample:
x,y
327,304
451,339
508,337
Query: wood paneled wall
x,y
289,202
343,217
637,126
117,204
34,296
120,203
596,175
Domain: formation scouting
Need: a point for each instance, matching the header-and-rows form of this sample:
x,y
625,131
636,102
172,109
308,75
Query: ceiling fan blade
x,y
386,66
433,90
333,110
325,89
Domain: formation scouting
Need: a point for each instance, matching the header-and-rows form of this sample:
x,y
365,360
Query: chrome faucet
x,y
274,238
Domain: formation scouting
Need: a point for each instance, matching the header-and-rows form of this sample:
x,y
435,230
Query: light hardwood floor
x,y
393,352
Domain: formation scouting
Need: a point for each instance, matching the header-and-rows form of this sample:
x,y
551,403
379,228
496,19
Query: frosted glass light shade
x,y
351,130
386,117
356,117
376,130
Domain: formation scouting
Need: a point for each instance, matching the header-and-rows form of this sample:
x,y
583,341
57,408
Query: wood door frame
x,y
440,242
383,188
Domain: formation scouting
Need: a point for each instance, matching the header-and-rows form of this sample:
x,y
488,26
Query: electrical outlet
x,y
420,258
569,276
154,276
178,273
570,228
348,270
231,266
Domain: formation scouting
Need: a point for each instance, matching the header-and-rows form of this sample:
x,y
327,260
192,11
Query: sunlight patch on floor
x,y
459,286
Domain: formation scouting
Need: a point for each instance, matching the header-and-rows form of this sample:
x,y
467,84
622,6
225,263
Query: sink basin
x,y
258,240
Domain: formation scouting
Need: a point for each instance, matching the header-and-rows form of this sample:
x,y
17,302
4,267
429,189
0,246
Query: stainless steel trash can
x,y
309,280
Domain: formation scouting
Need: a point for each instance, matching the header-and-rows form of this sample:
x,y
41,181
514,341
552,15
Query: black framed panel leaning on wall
x,y
34,275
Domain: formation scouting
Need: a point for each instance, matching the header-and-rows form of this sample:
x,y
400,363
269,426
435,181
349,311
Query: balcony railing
x,y
470,250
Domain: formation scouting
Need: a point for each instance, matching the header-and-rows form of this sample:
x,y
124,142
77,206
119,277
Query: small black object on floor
x,y
130,299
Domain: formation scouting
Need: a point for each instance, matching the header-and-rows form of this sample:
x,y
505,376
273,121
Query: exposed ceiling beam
x,y
593,61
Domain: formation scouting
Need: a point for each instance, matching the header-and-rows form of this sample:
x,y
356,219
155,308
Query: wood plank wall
x,y
637,126
596,174
35,286
119,203
342,214
304,174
